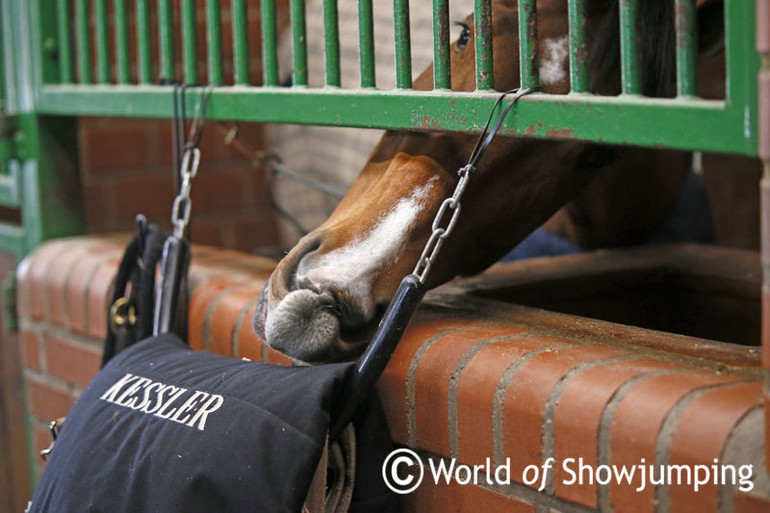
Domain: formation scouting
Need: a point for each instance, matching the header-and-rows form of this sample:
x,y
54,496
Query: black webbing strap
x,y
130,316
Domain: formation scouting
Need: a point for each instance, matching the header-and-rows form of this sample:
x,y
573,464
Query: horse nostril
x,y
290,268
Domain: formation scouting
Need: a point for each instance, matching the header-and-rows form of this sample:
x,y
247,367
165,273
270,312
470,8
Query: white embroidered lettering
x,y
162,412
146,397
158,399
126,398
111,392
212,405
189,404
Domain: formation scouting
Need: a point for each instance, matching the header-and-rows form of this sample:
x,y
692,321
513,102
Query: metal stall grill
x,y
108,57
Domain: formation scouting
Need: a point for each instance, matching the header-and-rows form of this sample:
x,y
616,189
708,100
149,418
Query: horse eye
x,y
465,36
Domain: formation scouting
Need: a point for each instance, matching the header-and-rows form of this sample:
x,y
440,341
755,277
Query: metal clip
x,y
122,314
54,427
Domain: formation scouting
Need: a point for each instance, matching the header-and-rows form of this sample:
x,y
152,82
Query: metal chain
x,y
440,231
180,211
191,157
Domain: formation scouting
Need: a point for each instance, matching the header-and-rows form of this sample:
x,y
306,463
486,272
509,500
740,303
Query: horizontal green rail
x,y
685,122
622,120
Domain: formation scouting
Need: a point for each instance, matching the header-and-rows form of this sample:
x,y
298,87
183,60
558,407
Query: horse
x,y
326,295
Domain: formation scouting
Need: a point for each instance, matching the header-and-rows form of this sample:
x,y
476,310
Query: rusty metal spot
x,y
560,133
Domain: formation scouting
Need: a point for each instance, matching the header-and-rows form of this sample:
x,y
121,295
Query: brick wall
x,y
126,163
126,169
472,379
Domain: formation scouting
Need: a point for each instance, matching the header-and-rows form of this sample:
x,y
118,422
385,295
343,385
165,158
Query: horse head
x,y
325,297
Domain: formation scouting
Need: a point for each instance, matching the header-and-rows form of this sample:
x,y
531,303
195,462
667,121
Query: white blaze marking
x,y
552,68
353,266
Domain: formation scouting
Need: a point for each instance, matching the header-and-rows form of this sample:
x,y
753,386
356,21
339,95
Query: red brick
x,y
200,302
99,206
701,435
578,415
392,387
216,190
150,195
767,433
47,402
98,296
636,424
42,439
207,231
249,345
260,230
115,148
56,281
746,503
432,382
77,292
477,389
224,316
73,362
32,279
766,317
30,350
458,498
527,396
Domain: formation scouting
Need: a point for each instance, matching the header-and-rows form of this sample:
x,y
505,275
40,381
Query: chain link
x,y
180,212
440,233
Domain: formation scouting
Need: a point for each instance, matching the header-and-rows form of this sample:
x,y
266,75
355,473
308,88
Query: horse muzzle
x,y
306,323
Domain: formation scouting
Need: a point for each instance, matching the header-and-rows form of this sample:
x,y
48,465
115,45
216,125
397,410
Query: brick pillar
x,y
763,46
14,469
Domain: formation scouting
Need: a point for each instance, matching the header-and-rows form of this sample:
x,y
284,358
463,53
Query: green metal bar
x,y
482,23
742,60
366,43
189,51
442,78
629,47
403,44
102,42
9,179
214,40
49,171
528,49
651,122
166,39
144,48
240,42
82,41
332,43
686,48
65,46
121,42
9,192
577,47
269,44
14,239
299,41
